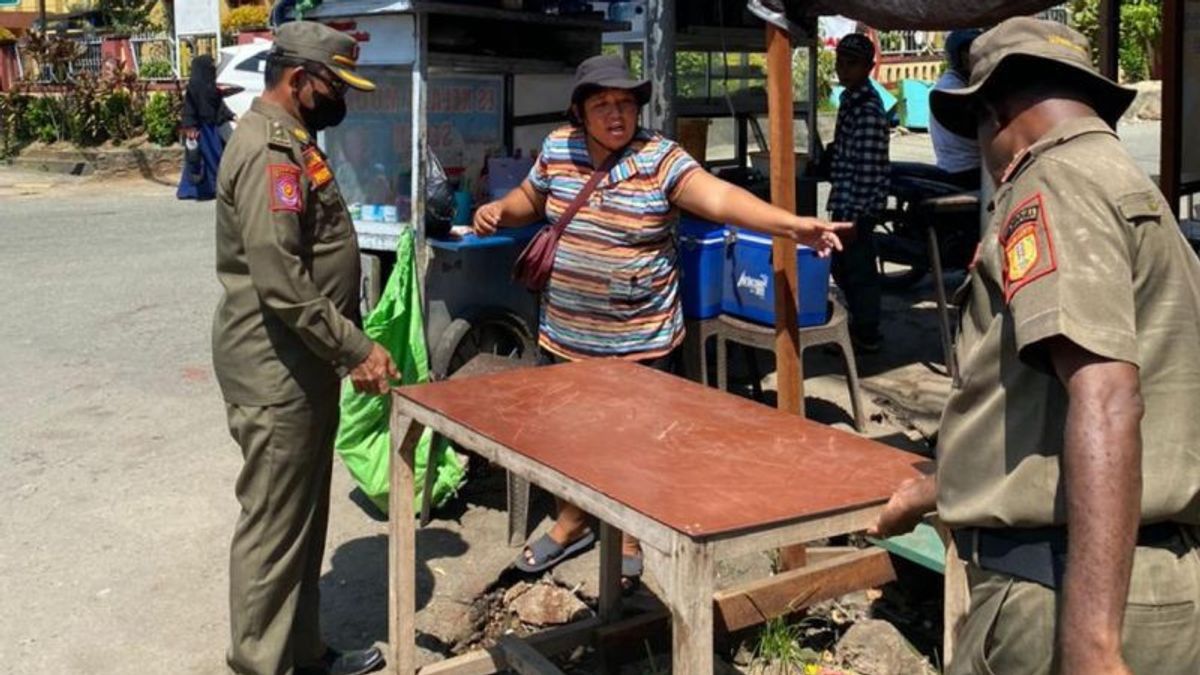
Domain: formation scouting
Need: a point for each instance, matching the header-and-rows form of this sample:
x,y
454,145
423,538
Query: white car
x,y
242,66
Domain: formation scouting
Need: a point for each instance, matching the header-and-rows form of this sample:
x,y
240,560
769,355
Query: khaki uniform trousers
x,y
279,540
1011,626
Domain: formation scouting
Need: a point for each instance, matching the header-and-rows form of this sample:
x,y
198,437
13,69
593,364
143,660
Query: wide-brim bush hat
x,y
1017,47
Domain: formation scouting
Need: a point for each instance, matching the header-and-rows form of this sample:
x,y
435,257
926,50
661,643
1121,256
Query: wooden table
x,y
695,474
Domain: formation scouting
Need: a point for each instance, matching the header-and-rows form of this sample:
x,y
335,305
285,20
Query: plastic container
x,y
748,289
701,262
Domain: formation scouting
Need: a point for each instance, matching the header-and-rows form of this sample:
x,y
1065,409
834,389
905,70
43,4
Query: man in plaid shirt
x,y
859,167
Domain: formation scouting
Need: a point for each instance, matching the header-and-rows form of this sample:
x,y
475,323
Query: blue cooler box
x,y
701,262
749,282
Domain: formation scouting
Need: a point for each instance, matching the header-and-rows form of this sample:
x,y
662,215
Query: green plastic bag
x,y
363,439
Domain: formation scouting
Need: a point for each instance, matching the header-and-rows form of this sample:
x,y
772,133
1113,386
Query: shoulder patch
x,y
279,137
1028,247
284,180
316,167
1140,205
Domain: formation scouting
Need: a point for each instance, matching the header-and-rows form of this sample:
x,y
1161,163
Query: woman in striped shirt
x,y
614,290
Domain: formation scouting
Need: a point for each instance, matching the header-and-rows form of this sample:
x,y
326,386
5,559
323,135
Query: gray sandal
x,y
547,553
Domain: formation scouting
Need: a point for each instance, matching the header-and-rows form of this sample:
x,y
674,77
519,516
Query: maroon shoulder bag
x,y
535,263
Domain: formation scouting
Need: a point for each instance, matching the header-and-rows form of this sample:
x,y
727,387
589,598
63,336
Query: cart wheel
x,y
465,339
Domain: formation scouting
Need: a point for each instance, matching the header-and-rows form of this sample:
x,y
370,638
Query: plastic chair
x,y
727,329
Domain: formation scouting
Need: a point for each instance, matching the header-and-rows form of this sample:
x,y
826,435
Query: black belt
x,y
1037,554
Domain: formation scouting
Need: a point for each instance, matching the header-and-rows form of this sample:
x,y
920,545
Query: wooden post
x,y
789,371
780,107
1109,36
659,62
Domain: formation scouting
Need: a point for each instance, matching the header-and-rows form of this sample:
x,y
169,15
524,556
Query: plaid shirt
x,y
859,165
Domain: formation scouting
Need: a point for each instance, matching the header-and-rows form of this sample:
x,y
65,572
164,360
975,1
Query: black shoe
x,y
866,343
356,662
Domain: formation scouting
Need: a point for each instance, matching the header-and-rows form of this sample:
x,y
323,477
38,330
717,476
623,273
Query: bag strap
x,y
581,198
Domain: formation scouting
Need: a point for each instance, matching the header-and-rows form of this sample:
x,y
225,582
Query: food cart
x,y
480,87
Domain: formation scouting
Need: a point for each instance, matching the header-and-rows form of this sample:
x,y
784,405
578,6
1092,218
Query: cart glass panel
x,y
371,152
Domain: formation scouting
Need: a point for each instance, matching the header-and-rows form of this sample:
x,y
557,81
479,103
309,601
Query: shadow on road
x,y
354,593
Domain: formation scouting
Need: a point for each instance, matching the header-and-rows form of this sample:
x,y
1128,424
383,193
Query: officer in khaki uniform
x,y
284,334
1080,346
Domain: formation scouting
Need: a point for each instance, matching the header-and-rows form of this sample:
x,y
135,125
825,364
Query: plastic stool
x,y
729,329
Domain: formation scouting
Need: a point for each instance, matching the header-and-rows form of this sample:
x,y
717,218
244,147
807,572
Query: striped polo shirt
x,y
614,291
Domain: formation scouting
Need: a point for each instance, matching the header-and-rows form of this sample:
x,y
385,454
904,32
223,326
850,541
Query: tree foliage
x,y
1141,33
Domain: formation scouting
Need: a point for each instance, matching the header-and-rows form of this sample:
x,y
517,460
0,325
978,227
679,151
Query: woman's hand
x,y
191,133
487,219
819,235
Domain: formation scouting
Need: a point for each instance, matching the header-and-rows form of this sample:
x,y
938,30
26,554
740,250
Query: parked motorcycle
x,y
901,236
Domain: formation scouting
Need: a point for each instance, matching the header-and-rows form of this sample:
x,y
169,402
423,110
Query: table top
x,y
697,460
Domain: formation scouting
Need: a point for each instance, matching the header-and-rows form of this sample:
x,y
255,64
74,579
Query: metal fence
x,y
152,56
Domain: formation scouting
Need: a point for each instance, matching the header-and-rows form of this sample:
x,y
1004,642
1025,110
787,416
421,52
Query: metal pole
x,y
781,108
42,14
659,57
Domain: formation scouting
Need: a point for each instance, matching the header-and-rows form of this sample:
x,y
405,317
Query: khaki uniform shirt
x,y
287,256
1080,245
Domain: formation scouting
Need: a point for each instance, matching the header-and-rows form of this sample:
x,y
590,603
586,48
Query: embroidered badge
x,y
285,188
315,166
1028,249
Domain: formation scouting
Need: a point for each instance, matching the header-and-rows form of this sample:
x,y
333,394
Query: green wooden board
x,y
922,546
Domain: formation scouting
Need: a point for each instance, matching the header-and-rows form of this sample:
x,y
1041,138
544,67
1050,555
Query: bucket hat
x,y
316,42
1008,51
606,71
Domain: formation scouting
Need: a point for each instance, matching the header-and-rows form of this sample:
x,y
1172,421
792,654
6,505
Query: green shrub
x,y
14,124
45,118
157,69
119,116
162,117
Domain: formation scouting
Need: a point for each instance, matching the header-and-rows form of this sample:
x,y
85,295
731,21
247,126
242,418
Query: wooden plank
x,y
757,602
647,530
525,659
402,543
786,534
780,107
610,572
831,573
493,659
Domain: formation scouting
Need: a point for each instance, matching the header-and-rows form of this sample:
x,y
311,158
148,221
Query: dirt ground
x,y
119,469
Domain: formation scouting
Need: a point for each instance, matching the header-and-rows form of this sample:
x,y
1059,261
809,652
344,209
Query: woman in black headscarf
x,y
204,112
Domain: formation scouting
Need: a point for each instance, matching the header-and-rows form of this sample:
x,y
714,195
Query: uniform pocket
x,y
333,219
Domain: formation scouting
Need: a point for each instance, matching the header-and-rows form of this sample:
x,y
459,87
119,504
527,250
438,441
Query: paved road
x,y
114,459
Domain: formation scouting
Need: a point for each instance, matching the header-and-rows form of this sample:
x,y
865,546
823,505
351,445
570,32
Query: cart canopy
x,y
921,14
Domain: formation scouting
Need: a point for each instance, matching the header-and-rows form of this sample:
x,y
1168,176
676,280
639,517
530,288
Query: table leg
x,y
689,591
402,546
610,573
432,460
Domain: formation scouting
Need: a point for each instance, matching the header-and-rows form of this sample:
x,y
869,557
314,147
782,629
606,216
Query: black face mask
x,y
328,111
